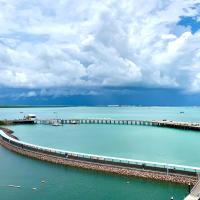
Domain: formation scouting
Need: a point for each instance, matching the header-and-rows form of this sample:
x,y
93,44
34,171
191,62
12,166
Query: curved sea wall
x,y
9,133
128,167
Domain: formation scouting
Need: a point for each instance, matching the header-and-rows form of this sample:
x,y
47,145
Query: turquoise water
x,y
136,142
173,113
64,183
147,143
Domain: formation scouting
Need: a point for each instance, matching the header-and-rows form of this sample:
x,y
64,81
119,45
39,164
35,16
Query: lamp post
x,y
189,188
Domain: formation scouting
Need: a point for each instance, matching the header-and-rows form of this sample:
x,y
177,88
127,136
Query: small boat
x,y
15,186
56,123
31,117
73,122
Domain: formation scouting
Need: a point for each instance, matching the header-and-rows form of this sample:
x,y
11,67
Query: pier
x,y
16,122
161,123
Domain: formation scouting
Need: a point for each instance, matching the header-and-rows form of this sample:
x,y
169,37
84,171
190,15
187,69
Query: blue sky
x,y
100,52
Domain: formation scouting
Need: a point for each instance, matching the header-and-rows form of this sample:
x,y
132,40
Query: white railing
x,y
116,160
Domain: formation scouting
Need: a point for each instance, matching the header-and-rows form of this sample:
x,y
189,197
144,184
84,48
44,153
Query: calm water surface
x,y
147,143
136,142
63,183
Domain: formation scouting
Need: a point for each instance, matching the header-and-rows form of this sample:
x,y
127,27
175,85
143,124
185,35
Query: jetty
x,y
161,123
16,122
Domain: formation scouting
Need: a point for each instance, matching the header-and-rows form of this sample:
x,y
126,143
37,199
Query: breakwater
x,y
9,133
150,170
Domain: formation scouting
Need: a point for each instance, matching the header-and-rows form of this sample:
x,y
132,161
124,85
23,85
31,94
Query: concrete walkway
x,y
195,192
191,197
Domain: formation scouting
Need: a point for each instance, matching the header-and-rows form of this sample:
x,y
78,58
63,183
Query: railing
x,y
165,123
154,166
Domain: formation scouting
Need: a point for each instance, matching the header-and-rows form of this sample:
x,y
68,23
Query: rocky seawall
x,y
9,133
114,169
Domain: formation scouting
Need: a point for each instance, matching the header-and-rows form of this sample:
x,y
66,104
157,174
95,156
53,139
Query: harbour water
x,y
146,113
148,143
67,183
137,142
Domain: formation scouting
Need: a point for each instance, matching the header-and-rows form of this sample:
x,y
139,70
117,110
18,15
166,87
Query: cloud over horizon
x,y
81,44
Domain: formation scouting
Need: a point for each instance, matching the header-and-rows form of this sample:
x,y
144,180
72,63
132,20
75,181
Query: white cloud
x,y
65,43
25,94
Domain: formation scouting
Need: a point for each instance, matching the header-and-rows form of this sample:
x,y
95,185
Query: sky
x,y
100,52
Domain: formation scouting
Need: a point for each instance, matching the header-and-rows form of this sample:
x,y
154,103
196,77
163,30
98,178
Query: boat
x,y
56,123
15,186
31,117
73,122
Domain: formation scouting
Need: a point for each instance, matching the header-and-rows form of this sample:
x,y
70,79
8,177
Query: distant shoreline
x,y
92,106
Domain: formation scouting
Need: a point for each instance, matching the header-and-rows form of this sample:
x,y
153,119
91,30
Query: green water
x,y
147,143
